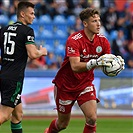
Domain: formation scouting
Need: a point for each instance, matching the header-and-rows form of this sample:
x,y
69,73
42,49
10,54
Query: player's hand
x,y
105,60
122,61
43,50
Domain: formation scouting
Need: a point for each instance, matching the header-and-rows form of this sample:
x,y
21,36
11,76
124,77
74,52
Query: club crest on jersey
x,y
99,49
30,38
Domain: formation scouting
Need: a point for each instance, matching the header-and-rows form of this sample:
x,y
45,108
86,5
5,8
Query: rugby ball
x,y
114,69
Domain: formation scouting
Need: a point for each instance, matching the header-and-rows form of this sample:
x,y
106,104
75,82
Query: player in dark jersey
x,y
17,44
85,50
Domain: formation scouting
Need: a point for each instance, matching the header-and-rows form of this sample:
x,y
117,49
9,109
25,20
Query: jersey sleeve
x,y
30,38
72,48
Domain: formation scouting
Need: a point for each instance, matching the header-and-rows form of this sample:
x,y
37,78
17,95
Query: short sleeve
x,y
30,38
72,48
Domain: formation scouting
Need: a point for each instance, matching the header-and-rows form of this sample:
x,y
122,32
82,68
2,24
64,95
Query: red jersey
x,y
78,45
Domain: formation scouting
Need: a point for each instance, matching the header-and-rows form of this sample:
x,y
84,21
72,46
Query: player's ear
x,y
85,23
22,14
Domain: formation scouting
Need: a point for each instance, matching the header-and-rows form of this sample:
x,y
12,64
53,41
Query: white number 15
x,y
7,40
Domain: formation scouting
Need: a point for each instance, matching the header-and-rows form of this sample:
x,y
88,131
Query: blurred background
x,y
55,21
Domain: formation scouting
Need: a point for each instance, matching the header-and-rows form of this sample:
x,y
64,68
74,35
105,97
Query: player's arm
x,y
34,52
77,66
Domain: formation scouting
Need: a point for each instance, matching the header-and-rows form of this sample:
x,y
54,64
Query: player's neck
x,y
90,36
21,21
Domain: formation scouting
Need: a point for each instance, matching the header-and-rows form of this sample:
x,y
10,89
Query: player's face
x,y
29,15
93,24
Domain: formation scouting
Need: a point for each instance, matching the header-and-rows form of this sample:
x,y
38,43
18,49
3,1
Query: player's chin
x,y
97,32
30,23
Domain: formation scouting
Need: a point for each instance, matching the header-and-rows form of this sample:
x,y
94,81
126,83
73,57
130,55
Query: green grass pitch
x,y
104,125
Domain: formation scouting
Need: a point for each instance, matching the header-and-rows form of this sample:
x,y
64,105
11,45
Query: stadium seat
x,y
113,35
59,19
59,34
60,23
60,41
44,19
35,27
49,48
49,42
49,27
71,20
45,23
46,34
13,18
4,20
60,50
35,21
63,27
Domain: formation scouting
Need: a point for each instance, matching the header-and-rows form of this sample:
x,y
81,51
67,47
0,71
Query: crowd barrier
x,y
115,93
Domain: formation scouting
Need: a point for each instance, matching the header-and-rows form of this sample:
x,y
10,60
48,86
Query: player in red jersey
x,y
85,50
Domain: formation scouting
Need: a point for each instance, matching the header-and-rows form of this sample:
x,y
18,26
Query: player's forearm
x,y
79,67
36,54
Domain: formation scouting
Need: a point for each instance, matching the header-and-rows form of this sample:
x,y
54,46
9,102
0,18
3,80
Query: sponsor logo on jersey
x,y
99,49
70,50
30,38
88,56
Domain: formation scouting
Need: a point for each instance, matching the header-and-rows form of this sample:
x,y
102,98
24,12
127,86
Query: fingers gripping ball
x,y
105,60
114,69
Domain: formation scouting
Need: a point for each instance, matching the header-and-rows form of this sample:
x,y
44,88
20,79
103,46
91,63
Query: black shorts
x,y
11,92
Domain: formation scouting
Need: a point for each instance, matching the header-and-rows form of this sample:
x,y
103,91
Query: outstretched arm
x,y
34,52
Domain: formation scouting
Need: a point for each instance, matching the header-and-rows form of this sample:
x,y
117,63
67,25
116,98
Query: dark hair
x,y
22,6
88,12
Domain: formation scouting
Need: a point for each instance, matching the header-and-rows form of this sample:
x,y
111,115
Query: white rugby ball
x,y
114,69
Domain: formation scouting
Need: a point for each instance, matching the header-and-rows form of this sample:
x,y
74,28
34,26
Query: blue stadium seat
x,y
49,48
35,21
4,20
113,35
63,27
45,19
60,41
59,19
49,27
59,34
60,50
71,20
49,42
46,34
36,33
13,18
45,23
60,23
35,27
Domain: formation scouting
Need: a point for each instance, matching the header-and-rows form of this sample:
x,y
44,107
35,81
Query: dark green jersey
x,y
14,39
